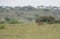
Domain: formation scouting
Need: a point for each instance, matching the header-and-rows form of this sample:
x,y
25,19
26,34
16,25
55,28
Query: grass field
x,y
30,31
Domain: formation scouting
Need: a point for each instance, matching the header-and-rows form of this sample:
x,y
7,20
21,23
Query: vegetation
x,y
30,31
27,11
13,21
27,30
2,26
46,19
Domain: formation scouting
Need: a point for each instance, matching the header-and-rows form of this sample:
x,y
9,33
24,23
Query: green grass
x,y
30,31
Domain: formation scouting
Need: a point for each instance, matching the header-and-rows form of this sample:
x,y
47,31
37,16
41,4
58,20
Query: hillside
x,y
26,14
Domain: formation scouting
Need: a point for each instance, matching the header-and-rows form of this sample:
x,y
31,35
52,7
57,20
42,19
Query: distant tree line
x,y
28,7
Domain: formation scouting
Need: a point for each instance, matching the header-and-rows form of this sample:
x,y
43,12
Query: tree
x,y
1,9
47,19
28,8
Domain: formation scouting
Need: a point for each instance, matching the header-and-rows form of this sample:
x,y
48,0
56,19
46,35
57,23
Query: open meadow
x,y
30,31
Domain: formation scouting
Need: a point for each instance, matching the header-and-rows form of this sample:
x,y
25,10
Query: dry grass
x,y
30,31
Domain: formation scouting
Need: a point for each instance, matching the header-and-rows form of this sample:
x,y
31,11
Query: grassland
x,y
30,31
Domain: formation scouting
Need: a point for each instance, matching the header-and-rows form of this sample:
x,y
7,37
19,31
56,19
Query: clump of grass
x,y
2,26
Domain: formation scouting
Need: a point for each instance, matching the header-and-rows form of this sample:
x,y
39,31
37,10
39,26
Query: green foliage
x,y
57,21
13,21
50,22
46,19
2,26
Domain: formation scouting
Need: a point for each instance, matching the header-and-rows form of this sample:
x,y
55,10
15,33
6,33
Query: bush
x,y
13,22
2,26
46,19
50,22
57,21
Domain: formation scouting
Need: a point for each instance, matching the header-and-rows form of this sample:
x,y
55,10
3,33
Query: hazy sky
x,y
29,2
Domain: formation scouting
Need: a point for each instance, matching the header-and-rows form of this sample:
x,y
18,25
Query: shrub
x,y
2,26
46,19
13,21
50,22
57,21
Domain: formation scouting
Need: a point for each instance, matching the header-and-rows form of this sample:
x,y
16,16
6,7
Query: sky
x,y
29,2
